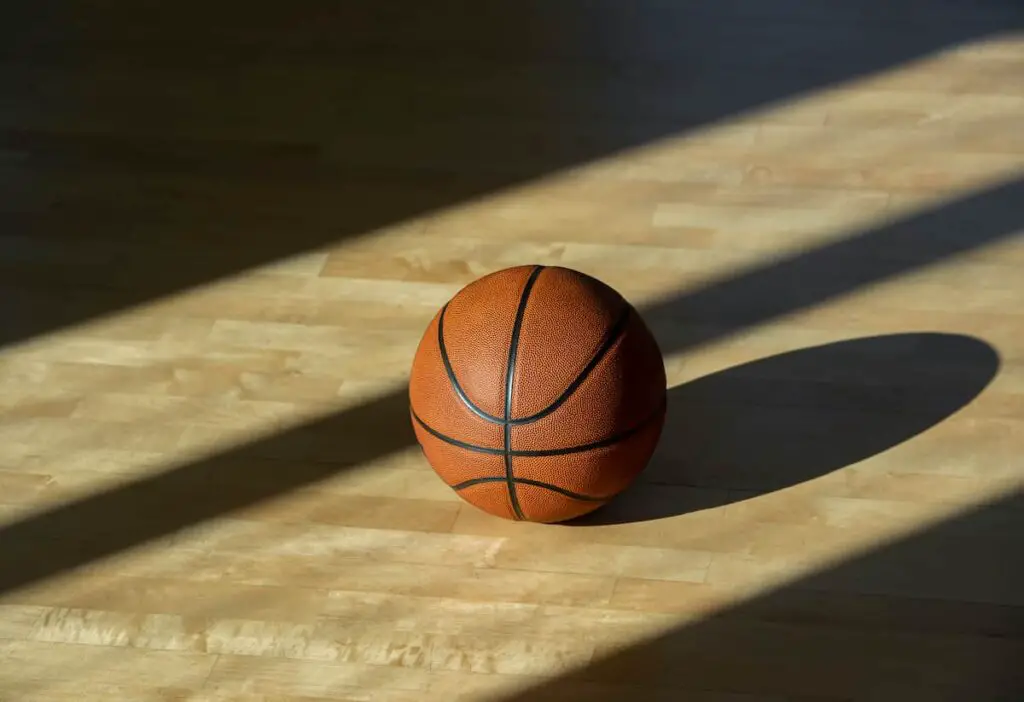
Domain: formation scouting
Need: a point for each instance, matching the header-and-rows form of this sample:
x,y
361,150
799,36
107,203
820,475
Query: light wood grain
x,y
224,228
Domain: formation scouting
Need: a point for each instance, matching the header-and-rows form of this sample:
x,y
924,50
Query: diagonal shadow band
x,y
72,535
150,148
933,616
797,282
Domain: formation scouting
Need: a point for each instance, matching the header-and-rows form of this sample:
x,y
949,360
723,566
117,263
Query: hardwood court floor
x,y
225,226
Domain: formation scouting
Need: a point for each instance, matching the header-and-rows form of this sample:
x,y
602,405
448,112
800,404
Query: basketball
x,y
538,393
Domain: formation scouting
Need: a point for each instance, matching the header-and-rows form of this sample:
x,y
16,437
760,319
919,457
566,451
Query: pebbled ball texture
x,y
538,393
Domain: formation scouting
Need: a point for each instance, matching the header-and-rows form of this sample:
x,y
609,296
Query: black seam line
x,y
510,375
612,336
616,331
455,381
614,439
528,481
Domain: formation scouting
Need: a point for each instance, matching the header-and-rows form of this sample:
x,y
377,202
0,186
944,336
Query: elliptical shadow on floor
x,y
786,419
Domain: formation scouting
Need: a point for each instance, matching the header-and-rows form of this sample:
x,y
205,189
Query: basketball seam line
x,y
613,334
452,379
510,374
528,481
541,453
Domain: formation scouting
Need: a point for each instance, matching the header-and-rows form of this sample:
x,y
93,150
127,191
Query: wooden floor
x,y
224,226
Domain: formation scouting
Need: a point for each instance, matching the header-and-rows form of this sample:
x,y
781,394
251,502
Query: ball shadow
x,y
779,421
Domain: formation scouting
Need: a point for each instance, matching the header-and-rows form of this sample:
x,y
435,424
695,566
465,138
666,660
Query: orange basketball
x,y
538,393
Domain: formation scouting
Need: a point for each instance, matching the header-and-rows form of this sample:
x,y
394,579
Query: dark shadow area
x,y
937,616
783,420
769,291
151,507
151,147
70,536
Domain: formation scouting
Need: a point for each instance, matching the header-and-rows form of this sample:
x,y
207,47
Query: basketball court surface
x,y
226,227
